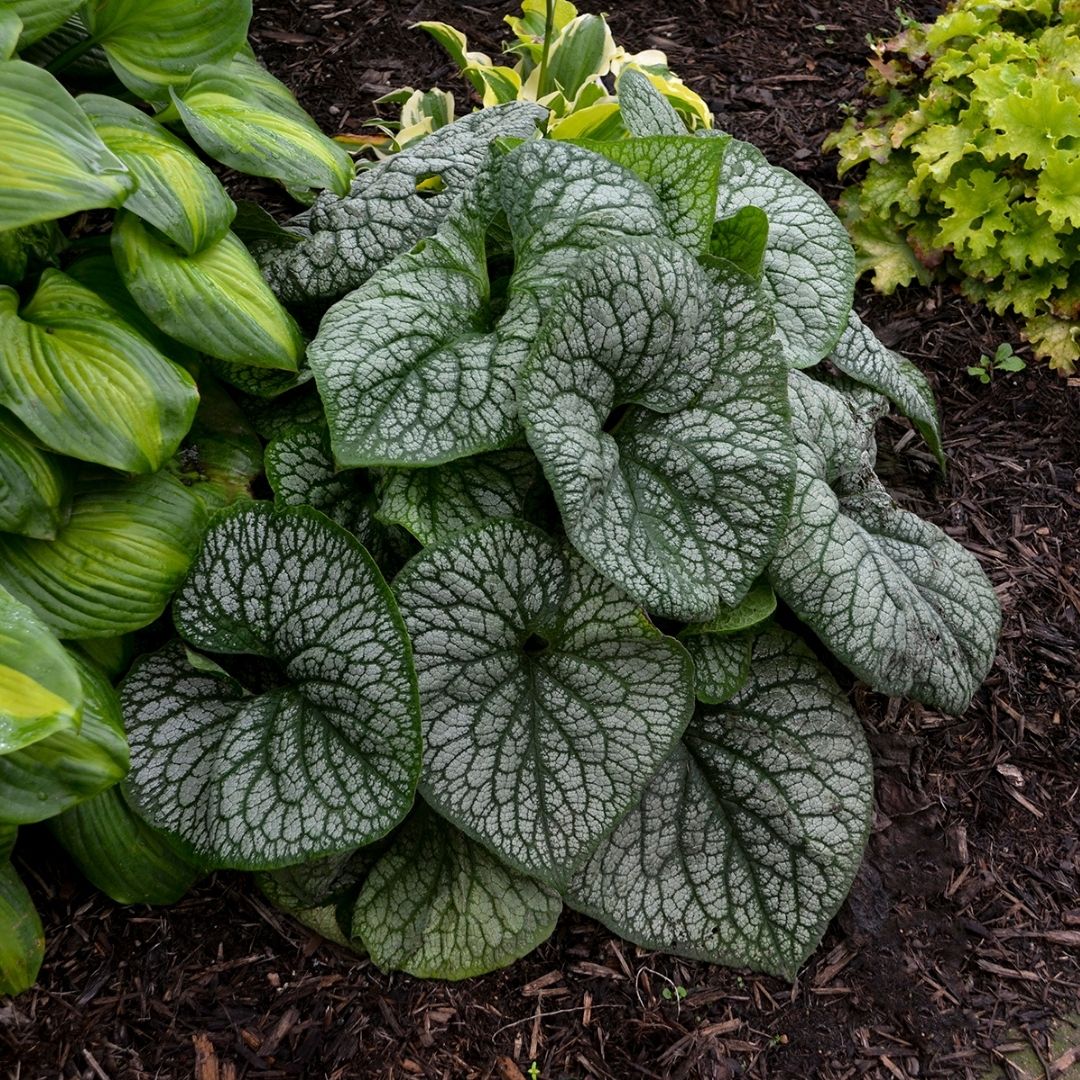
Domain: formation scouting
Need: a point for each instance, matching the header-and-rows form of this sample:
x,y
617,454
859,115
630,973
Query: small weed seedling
x,y
1004,359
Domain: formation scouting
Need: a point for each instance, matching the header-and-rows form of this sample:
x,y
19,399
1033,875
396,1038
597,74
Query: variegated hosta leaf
x,y
22,939
40,689
215,301
899,602
25,250
681,502
646,111
177,193
860,355
747,839
413,367
121,855
548,699
54,773
34,488
114,565
439,906
53,162
41,17
86,383
434,504
325,763
809,263
155,44
345,240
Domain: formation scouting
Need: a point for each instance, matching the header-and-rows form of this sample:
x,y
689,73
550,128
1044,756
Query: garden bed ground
x,y
961,942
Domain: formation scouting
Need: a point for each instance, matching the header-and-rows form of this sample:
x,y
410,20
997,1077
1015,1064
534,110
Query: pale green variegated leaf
x,y
54,773
809,264
115,563
121,855
41,17
681,500
439,906
155,44
53,162
22,939
742,239
40,689
215,301
747,839
344,241
721,664
582,50
324,763
860,355
548,698
899,602
34,488
646,111
177,193
86,383
434,504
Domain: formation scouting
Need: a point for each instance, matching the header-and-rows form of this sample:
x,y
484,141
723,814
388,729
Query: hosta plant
x,y
569,542
971,163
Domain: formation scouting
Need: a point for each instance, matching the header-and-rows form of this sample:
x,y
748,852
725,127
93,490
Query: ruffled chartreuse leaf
x,y
327,759
440,906
115,563
748,837
34,488
88,384
22,939
547,696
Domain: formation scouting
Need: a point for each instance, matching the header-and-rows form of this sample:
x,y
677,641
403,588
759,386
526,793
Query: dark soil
x,y
962,936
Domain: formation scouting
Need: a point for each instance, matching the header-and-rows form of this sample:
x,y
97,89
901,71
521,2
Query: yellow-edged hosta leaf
x,y
601,121
86,383
33,486
52,162
41,17
499,84
22,940
177,193
584,48
216,301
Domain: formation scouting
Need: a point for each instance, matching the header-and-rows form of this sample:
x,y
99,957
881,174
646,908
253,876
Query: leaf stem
x,y
70,55
549,26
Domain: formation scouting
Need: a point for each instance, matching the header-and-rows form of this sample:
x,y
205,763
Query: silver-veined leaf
x,y
747,839
440,906
22,939
547,697
646,111
215,301
326,762
34,488
115,563
53,162
86,383
177,193
41,17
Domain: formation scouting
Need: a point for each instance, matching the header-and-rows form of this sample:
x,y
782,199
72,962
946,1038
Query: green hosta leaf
x,y
22,939
121,855
114,565
905,607
344,241
53,163
155,44
237,114
86,383
26,250
547,697
646,111
742,239
54,773
113,655
681,502
215,301
809,266
42,17
8,835
325,763
34,489
177,193
40,690
434,504
439,906
860,355
11,27
747,839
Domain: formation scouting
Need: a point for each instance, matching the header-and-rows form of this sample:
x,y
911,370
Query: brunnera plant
x,y
581,498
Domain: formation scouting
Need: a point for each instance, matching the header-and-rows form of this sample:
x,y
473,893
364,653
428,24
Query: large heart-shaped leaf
x,y
547,697
22,939
177,193
324,763
53,163
748,837
440,906
680,500
114,565
903,605
86,383
34,488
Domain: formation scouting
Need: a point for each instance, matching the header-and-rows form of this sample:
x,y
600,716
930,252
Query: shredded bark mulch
x,y
961,940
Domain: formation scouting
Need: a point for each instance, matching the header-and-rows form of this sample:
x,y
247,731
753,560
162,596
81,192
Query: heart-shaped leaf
x,y
34,488
22,939
547,697
747,839
324,763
